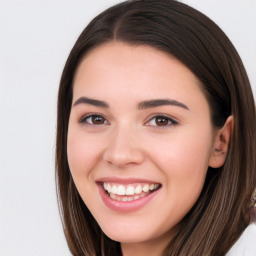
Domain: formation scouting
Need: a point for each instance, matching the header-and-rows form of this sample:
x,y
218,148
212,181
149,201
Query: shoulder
x,y
246,245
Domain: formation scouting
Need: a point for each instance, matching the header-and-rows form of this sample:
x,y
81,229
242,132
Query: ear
x,y
220,144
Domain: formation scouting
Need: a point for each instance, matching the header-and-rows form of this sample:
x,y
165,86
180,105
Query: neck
x,y
140,250
153,247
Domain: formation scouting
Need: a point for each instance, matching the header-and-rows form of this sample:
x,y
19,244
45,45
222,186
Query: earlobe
x,y
221,142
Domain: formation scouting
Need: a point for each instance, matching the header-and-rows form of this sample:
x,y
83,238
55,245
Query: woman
x,y
155,136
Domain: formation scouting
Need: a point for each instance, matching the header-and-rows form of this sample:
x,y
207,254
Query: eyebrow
x,y
97,103
142,105
161,102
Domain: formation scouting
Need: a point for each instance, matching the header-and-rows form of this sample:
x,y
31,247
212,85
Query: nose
x,y
124,148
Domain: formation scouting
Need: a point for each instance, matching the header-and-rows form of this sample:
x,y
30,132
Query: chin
x,y
130,234
128,238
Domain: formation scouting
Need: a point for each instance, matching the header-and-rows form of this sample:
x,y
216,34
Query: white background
x,y
35,39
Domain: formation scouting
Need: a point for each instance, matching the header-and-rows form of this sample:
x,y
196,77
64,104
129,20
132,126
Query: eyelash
x,y
170,121
84,119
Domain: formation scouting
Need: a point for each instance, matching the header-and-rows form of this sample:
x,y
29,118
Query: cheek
x,y
76,152
82,152
184,162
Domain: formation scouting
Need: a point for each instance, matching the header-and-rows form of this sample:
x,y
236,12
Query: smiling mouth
x,y
129,192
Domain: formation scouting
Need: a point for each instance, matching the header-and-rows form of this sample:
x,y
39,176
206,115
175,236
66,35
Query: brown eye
x,y
93,120
161,121
98,120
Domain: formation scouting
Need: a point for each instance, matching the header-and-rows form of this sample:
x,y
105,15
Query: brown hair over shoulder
x,y
220,214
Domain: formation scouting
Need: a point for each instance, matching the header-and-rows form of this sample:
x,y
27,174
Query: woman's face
x,y
139,140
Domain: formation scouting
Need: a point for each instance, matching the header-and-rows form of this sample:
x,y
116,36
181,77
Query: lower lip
x,y
128,206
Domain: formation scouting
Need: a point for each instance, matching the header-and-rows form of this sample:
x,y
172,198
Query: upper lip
x,y
119,180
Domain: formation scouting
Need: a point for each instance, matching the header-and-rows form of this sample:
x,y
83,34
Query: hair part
x,y
221,213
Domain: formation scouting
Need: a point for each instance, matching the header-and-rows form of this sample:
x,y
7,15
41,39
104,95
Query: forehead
x,y
127,70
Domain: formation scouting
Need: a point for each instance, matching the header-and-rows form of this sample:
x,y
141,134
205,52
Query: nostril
x,y
121,158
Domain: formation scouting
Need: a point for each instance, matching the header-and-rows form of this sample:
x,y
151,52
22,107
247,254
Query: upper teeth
x,y
131,189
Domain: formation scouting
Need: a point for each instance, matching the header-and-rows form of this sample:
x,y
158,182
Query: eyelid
x,y
173,121
83,119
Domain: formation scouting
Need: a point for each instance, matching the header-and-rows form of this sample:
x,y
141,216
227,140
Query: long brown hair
x,y
220,214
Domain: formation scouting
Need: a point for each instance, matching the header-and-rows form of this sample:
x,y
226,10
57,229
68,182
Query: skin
x,y
131,143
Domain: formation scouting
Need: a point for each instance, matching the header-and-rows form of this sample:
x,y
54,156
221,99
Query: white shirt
x,y
246,245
